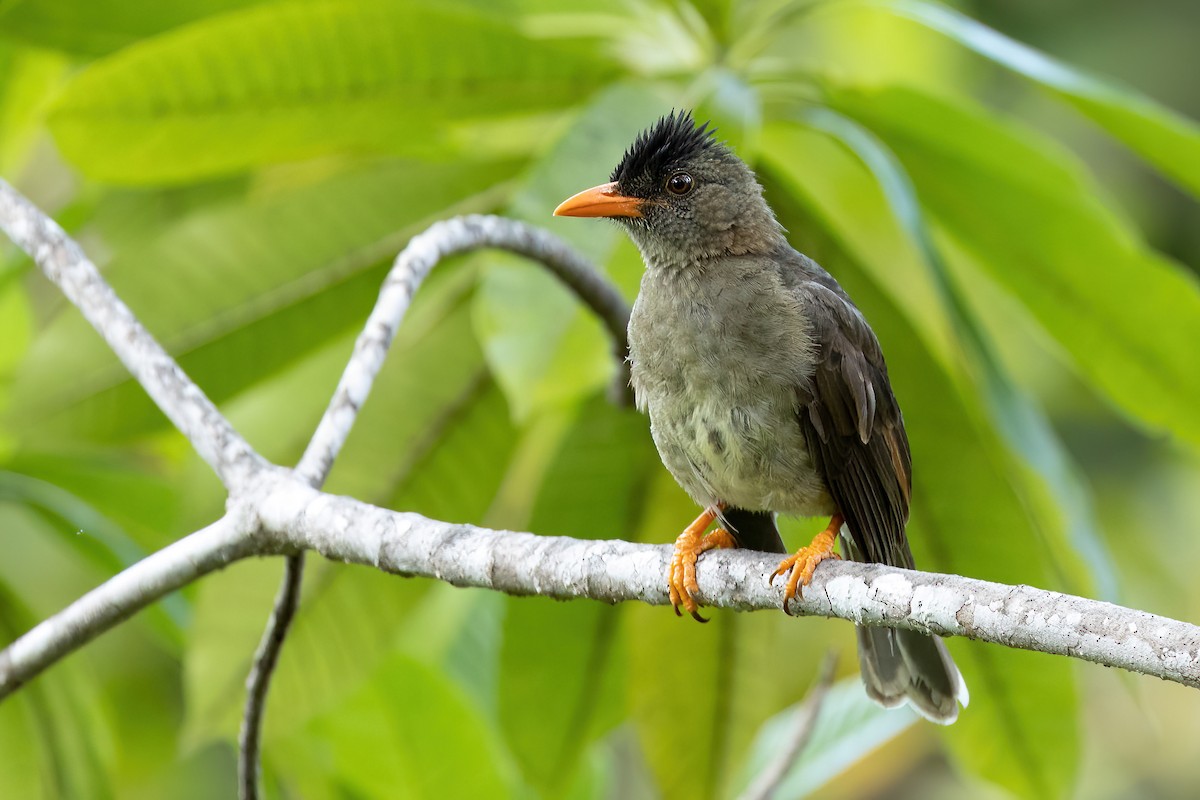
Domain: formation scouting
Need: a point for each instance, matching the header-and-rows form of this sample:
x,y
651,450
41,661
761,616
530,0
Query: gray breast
x,y
716,359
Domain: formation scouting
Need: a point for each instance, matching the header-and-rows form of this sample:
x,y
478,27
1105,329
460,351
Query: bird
x,y
766,389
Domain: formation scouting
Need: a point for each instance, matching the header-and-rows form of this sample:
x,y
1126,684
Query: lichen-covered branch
x,y
289,515
615,571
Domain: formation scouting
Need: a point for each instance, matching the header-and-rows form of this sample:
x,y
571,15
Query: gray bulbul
x,y
766,388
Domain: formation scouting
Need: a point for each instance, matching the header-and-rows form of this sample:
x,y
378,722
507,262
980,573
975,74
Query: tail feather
x,y
901,666
904,666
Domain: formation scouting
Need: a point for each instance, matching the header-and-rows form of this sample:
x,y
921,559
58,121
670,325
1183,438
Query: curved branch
x,y
442,240
64,263
273,511
412,265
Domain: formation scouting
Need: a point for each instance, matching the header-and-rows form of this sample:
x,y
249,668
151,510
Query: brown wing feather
x,y
855,432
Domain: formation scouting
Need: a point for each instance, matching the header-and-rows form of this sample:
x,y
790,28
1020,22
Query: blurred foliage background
x,y
1022,234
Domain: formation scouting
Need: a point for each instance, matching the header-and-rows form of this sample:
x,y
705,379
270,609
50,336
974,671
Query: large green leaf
x,y
101,26
1029,214
16,337
91,534
1163,137
286,81
1018,417
426,386
28,78
559,657
243,290
968,517
55,739
409,732
545,348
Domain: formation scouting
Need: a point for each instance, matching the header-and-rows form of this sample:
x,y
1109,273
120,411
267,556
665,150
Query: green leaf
x,y
1163,137
968,518
28,78
102,26
427,386
1018,417
337,641
544,347
462,457
339,638
1029,214
409,732
241,291
56,741
286,81
230,608
847,729
559,658
16,337
90,533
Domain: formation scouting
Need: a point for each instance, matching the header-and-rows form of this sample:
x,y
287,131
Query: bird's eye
x,y
680,183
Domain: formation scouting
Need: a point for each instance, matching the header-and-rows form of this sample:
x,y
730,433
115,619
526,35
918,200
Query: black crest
x,y
671,140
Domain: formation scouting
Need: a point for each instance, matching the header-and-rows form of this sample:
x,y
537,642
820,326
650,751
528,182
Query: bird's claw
x,y
682,586
804,562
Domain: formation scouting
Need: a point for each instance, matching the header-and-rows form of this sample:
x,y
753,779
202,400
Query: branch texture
x,y
292,516
614,571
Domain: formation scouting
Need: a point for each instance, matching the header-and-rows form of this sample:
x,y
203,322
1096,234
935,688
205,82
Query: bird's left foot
x,y
681,579
802,564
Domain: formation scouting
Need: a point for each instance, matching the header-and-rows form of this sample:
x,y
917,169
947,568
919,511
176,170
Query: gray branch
x,y
288,515
118,598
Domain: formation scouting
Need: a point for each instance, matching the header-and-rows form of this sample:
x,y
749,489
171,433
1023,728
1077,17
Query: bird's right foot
x,y
681,578
802,564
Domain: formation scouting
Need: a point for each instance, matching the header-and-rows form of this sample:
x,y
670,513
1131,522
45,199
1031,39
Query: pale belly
x,y
749,453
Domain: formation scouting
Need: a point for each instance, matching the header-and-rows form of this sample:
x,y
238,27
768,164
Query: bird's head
x,y
683,196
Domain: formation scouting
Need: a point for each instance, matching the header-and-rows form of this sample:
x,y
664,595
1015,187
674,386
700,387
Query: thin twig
x,y
807,713
258,682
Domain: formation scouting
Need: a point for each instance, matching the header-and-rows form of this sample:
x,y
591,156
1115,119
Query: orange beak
x,y
600,201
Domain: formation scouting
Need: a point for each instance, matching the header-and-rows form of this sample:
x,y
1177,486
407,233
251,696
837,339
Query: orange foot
x,y
806,559
681,579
